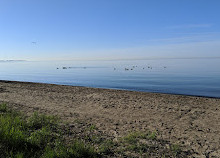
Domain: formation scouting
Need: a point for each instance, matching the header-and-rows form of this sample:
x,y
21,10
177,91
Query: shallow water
x,y
200,77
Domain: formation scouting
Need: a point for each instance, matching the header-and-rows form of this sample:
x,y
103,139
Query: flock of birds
x,y
133,67
71,67
126,69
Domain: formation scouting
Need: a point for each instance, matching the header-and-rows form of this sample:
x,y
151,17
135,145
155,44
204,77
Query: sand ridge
x,y
191,121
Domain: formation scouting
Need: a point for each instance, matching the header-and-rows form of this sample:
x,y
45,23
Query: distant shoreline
x,y
11,60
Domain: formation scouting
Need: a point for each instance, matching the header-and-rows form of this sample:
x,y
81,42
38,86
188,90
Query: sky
x,y
108,29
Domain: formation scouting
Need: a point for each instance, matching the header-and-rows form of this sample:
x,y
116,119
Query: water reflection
x,y
179,76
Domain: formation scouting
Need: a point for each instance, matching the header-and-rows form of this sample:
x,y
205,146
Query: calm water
x,y
177,76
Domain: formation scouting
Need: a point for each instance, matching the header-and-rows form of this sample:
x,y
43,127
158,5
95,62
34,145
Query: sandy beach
x,y
193,122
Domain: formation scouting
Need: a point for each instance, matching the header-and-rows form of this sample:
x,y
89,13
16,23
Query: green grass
x,y
147,144
175,149
3,108
37,136
106,147
152,135
37,121
133,137
92,127
132,141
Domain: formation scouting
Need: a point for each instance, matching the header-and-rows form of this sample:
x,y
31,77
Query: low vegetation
x,y
36,136
42,136
146,144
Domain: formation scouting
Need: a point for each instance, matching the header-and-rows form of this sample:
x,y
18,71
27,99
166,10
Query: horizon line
x,y
112,59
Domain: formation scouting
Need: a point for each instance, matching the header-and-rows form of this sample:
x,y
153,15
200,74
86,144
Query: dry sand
x,y
193,122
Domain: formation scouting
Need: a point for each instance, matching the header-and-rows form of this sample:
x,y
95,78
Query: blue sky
x,y
108,29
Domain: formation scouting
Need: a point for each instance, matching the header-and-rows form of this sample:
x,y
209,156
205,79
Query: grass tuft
x,y
3,107
37,121
175,149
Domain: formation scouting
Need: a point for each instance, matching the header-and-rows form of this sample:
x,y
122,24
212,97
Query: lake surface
x,y
200,77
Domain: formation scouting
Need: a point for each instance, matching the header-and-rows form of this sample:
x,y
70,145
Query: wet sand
x,y
193,122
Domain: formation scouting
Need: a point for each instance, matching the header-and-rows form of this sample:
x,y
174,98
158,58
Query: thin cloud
x,y
190,26
199,33
191,49
199,37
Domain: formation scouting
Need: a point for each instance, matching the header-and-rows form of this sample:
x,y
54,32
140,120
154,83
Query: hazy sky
x,y
108,29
